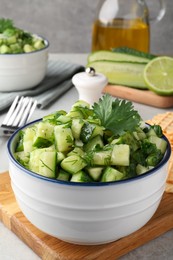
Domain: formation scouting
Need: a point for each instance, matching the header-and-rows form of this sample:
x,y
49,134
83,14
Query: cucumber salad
x,y
103,143
14,40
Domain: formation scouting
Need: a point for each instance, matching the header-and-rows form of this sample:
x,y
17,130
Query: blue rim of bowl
x,y
27,53
90,184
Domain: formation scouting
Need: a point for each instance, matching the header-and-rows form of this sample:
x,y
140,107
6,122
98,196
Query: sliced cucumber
x,y
117,55
134,52
122,73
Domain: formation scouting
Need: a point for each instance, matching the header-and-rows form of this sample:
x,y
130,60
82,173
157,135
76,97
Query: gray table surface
x,y
12,248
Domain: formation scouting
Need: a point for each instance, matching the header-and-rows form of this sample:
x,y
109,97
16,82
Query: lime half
x,y
158,75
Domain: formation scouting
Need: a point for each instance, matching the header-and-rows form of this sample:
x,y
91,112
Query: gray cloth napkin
x,y
56,82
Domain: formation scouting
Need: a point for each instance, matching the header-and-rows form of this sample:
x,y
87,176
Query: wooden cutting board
x,y
140,96
50,248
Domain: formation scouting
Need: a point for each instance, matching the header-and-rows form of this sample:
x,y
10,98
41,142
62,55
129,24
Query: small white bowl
x,y
87,213
22,71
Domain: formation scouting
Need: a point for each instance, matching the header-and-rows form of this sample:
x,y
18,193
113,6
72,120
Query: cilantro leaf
x,y
116,115
5,24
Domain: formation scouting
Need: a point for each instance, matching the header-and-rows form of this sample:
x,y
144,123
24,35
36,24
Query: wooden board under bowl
x,y
140,96
50,248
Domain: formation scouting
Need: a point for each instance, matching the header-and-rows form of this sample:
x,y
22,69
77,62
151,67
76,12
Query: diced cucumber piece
x,y
34,160
60,156
75,114
96,141
41,142
86,132
139,134
78,143
44,135
151,132
77,124
81,103
35,156
95,172
158,130
22,158
79,109
160,143
63,119
122,73
19,146
154,159
120,155
63,138
47,164
80,177
101,158
63,175
116,141
52,118
140,169
28,139
111,174
75,151
98,130
128,138
73,164
89,130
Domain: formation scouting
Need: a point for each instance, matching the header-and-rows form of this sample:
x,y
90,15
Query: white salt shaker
x,y
89,85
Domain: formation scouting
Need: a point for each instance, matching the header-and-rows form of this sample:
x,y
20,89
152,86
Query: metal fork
x,y
18,114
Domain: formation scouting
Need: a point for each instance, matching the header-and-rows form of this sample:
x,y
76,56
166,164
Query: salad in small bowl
x,y
23,57
84,175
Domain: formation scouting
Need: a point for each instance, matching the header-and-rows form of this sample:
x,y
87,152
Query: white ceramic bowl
x,y
22,71
87,213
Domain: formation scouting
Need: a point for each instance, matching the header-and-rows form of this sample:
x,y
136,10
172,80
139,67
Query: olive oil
x,y
121,32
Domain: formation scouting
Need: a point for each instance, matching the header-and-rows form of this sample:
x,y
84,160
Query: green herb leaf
x,y
5,24
116,115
